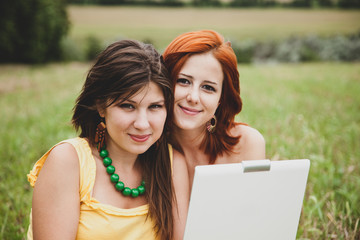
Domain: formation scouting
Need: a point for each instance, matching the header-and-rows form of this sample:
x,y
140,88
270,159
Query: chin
x,y
139,149
187,126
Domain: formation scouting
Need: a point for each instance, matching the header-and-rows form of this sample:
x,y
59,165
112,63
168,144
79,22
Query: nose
x,y
141,122
193,95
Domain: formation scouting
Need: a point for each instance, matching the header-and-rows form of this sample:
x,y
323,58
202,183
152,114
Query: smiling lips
x,y
189,111
139,138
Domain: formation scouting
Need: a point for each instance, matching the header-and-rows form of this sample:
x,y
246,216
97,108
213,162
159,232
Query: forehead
x,y
203,66
149,92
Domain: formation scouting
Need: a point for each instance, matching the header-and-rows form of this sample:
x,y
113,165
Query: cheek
x,y
116,124
179,93
210,100
158,120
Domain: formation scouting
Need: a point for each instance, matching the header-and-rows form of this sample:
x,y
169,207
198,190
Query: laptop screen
x,y
258,199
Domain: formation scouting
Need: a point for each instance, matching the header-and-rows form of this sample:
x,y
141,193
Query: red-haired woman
x,y
203,69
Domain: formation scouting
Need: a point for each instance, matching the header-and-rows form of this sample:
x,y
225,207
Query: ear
x,y
100,109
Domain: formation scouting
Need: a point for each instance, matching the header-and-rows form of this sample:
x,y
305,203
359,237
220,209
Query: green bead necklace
x,y
114,178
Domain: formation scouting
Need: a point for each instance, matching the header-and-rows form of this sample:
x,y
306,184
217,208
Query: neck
x,y
190,141
121,158
189,138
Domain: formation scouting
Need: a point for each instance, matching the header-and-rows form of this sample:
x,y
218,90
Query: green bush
x,y
31,31
83,50
206,3
93,47
243,3
244,50
70,51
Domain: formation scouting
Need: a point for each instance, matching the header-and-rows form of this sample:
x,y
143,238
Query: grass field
x,y
304,111
161,25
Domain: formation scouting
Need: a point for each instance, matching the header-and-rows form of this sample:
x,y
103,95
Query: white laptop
x,y
252,200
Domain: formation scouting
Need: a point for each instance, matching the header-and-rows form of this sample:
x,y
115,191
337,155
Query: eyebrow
x,y
191,77
159,102
155,102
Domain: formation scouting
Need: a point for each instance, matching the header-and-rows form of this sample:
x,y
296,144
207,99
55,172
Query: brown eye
x,y
209,88
183,81
126,106
156,106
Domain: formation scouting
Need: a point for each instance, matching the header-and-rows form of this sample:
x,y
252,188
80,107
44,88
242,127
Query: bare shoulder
x,y
182,193
248,134
180,170
56,195
63,155
251,144
179,161
62,159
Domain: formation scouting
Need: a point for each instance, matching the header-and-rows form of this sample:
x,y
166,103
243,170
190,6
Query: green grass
x,y
313,111
161,25
35,105
304,111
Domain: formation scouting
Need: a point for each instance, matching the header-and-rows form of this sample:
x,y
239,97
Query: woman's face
x,y
197,91
137,123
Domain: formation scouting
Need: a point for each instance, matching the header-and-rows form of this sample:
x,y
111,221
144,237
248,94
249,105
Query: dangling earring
x,y
100,135
211,124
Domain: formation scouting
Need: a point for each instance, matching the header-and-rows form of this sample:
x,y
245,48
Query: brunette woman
x,y
203,70
119,179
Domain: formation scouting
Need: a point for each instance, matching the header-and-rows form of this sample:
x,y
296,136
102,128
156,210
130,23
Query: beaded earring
x,y
100,135
211,124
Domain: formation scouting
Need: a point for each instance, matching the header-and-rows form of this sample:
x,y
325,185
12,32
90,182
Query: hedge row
x,y
300,49
233,3
293,49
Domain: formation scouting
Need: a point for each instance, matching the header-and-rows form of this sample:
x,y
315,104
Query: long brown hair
x,y
120,71
175,56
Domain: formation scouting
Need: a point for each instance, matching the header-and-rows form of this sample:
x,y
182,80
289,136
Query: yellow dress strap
x,y
171,153
86,163
87,168
34,173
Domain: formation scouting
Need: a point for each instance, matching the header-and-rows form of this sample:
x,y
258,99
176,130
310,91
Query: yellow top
x,y
100,221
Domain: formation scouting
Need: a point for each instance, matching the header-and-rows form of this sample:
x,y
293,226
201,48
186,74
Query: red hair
x,y
175,56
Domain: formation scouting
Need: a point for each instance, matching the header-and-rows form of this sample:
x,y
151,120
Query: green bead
x,y
110,169
107,161
126,191
104,153
120,186
114,178
141,189
134,192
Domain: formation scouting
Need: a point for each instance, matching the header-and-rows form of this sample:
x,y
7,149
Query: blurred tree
x,y
110,2
175,3
349,3
325,3
206,3
31,30
302,3
243,3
